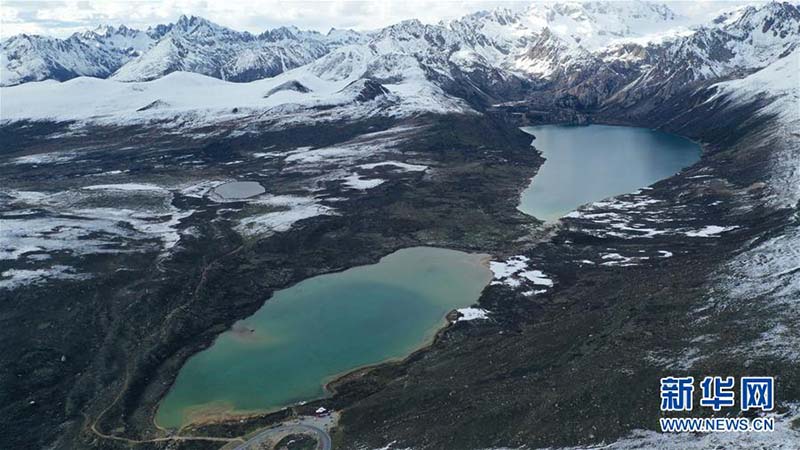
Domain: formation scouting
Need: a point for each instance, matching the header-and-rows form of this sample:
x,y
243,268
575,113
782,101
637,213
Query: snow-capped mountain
x,y
586,54
734,45
191,44
96,53
486,39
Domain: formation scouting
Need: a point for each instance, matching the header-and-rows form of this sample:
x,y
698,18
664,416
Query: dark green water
x,y
589,163
324,326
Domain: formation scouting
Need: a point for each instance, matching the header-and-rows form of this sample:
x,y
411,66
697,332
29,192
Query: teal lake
x,y
306,335
589,163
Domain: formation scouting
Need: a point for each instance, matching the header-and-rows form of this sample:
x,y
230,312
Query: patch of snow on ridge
x,y
360,147
515,271
468,314
781,79
615,259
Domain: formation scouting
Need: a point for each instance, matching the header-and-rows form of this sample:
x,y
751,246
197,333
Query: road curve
x,y
323,438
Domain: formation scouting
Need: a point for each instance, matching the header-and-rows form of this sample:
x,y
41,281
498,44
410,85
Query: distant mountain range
x,y
535,41
192,44
587,53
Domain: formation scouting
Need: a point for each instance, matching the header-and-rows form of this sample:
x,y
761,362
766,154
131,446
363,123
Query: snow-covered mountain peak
x,y
337,37
194,24
102,31
592,48
194,44
283,34
405,30
120,39
778,19
596,24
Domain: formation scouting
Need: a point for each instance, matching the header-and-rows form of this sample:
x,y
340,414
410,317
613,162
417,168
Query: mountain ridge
x,y
199,45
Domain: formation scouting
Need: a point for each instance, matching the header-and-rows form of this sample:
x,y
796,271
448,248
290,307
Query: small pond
x,y
239,189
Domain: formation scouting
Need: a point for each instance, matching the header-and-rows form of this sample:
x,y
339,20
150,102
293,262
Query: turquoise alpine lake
x,y
306,335
589,163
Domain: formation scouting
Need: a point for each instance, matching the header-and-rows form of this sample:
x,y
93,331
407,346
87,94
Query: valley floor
x,y
648,284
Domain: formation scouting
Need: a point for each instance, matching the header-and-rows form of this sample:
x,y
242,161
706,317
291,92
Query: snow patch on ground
x,y
710,231
468,314
364,146
65,222
294,209
537,277
627,217
125,187
399,165
505,269
615,259
515,271
14,278
45,158
354,181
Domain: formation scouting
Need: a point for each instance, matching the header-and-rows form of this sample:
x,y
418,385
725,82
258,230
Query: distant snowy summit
x,y
194,44
586,55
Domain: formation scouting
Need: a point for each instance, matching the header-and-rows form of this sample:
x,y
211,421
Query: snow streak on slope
x,y
779,80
